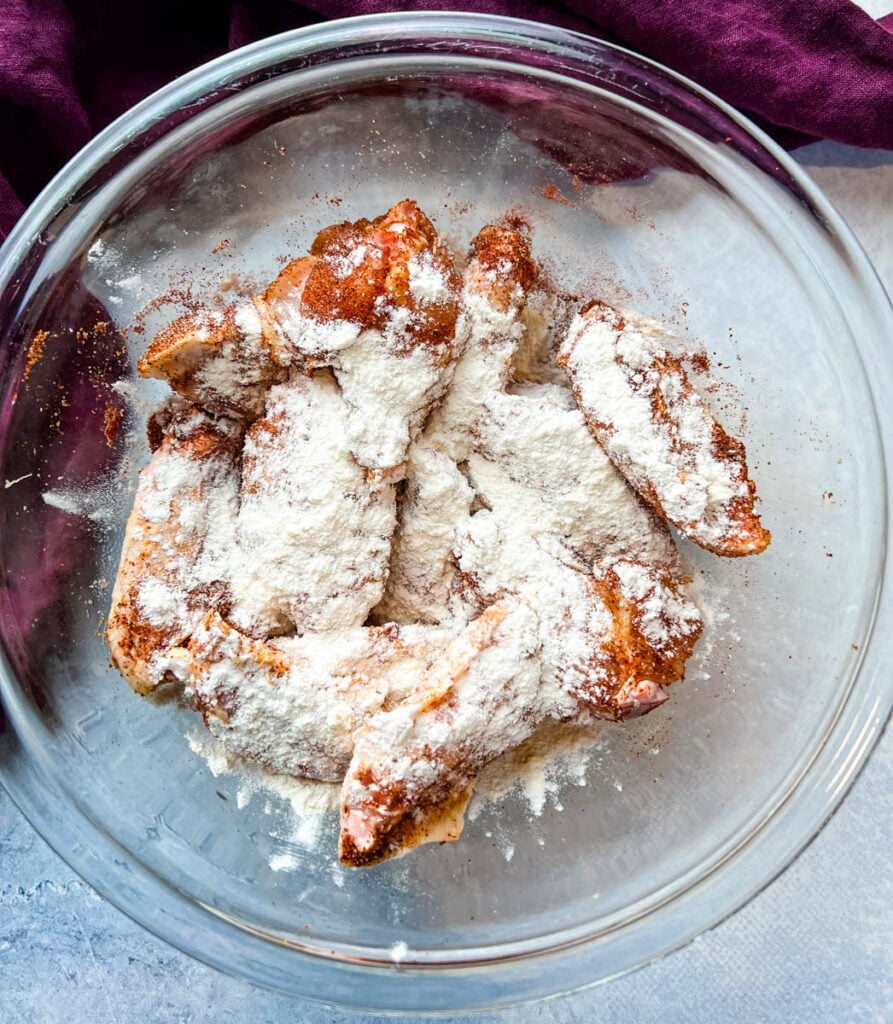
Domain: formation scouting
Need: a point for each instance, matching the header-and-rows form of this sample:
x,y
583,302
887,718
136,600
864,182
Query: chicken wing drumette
x,y
377,301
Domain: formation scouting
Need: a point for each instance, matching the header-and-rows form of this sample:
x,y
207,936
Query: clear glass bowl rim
x,y
494,981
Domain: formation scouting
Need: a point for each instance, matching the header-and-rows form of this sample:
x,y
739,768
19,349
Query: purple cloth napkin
x,y
67,67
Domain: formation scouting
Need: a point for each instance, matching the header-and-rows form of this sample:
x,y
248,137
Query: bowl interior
x,y
626,205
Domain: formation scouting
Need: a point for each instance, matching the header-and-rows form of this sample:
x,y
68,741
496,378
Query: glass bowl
x,y
641,188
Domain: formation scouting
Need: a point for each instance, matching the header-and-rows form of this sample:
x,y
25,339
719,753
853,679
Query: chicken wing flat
x,y
641,406
420,759
313,534
293,704
495,289
509,671
534,451
177,544
611,636
422,568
